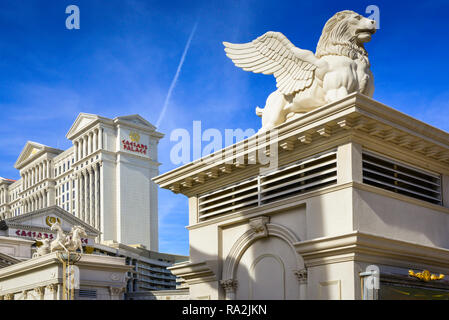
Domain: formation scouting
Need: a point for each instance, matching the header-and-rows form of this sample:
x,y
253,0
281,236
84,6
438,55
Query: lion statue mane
x,y
304,80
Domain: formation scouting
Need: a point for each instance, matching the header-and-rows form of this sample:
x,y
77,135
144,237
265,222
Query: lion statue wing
x,y
273,53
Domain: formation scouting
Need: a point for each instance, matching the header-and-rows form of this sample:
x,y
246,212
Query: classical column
x,y
86,194
115,293
40,292
229,285
101,142
24,295
95,140
9,296
85,145
53,289
48,169
89,143
77,195
96,193
79,149
91,195
302,279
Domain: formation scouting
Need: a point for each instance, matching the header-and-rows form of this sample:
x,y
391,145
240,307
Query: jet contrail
x,y
175,79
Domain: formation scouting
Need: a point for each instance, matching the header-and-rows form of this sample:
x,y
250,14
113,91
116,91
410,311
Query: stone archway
x,y
273,236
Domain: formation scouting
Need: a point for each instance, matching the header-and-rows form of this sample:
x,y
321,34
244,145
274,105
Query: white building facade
x,y
104,179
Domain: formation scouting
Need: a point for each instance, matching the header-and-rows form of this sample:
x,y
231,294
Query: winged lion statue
x,y
304,80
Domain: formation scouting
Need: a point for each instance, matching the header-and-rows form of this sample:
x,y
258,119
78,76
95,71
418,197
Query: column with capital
x,y
230,286
40,292
52,291
302,279
9,296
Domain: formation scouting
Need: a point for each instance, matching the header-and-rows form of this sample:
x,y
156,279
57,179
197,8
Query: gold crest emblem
x,y
51,220
134,136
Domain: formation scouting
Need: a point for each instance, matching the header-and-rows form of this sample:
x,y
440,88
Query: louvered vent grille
x,y
400,178
301,177
85,293
236,197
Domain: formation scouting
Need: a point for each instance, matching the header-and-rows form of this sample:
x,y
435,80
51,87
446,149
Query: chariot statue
x,y
304,80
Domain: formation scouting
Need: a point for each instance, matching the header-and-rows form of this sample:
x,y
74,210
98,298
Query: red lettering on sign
x,y
134,147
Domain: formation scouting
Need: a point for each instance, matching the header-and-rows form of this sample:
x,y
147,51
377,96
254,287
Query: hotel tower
x,y
104,179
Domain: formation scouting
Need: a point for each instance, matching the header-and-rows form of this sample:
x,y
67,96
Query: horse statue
x,y
74,242
59,243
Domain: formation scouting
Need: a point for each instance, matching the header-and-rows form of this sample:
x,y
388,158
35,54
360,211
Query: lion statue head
x,y
344,34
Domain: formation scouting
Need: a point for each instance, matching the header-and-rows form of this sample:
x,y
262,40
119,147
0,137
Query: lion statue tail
x,y
259,111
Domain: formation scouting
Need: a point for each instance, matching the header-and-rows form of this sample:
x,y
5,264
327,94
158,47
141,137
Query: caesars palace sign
x,y
133,144
40,235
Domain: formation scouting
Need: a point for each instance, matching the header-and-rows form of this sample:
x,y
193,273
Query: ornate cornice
x,y
195,272
370,248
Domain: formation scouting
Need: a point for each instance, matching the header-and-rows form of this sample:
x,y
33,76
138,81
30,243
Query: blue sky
x,y
126,54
